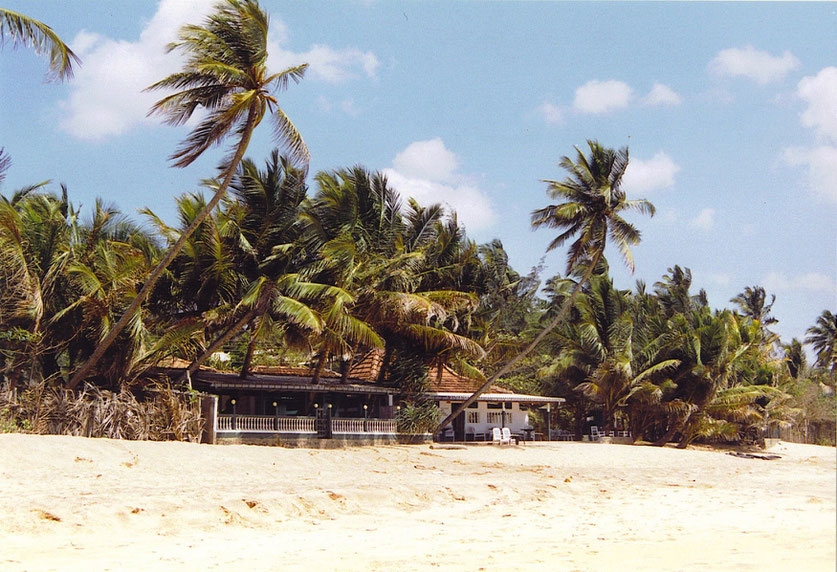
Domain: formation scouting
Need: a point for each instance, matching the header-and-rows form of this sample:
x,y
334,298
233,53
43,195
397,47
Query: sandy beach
x,y
69,503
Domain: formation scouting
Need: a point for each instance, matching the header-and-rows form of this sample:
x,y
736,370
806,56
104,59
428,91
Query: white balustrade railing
x,y
363,425
269,424
265,424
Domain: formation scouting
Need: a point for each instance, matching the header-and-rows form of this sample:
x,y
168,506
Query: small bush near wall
x,y
418,417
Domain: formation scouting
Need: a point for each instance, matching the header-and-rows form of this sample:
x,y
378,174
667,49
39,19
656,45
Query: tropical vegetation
x,y
271,271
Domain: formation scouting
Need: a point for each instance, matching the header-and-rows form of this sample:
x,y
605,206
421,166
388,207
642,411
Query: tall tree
x,y
27,31
592,201
752,304
795,358
225,75
823,339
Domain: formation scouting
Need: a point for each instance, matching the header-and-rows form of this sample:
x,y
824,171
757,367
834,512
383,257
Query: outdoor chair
x,y
594,433
507,438
496,436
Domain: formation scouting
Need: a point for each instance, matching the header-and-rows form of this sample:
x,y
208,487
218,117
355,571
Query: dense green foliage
x,y
274,272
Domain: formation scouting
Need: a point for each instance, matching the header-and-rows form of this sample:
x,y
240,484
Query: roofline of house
x,y
219,381
495,397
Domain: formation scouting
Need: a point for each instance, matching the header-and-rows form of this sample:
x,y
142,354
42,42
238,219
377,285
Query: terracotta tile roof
x,y
290,370
369,366
452,382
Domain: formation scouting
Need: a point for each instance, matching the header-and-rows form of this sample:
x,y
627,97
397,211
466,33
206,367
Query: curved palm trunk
x,y
506,368
385,363
234,330
248,357
172,253
318,369
672,430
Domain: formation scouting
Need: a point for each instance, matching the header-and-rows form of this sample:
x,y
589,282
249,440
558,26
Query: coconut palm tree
x,y
673,292
795,358
823,339
364,246
23,30
226,76
752,304
592,201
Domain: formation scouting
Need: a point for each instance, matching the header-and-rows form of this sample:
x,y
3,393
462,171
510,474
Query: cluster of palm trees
x,y
265,267
666,366
332,275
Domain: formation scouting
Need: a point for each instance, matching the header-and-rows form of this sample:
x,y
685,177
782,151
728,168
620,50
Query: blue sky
x,y
729,111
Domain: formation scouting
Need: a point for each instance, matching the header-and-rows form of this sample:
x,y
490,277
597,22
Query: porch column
x,y
549,422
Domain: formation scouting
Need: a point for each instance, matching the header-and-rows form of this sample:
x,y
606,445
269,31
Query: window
x,y
474,405
473,417
496,418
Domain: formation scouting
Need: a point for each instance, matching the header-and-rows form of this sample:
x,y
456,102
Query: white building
x,y
497,407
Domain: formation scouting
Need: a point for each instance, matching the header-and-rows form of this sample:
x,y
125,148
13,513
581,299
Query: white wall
x,y
516,419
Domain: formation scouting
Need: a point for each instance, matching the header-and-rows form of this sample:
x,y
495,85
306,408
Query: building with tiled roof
x,y
497,407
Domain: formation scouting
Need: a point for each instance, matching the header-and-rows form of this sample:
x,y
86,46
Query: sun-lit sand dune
x,y
70,503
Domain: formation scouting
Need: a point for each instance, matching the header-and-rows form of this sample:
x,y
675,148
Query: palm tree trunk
x,y
248,357
506,368
217,344
319,367
675,425
382,373
167,259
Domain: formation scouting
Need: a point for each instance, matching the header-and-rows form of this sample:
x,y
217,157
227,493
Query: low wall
x,y
310,440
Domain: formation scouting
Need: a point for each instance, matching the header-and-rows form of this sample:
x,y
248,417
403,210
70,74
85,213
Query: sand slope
x,y
69,503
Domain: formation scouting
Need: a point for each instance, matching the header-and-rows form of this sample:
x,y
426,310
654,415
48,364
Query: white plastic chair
x,y
507,438
496,436
594,433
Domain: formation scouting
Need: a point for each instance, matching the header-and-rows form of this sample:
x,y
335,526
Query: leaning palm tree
x,y
591,202
26,31
823,339
225,75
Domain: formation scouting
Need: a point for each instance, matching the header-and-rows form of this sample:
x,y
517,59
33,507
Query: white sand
x,y
70,503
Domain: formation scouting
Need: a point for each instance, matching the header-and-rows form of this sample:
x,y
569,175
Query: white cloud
x,y
429,160
602,96
550,113
820,93
662,94
106,95
753,64
809,281
644,176
428,172
325,63
704,220
821,165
